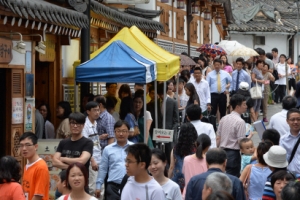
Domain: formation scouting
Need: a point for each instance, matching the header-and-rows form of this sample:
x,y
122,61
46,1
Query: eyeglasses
x,y
27,145
75,123
121,131
129,161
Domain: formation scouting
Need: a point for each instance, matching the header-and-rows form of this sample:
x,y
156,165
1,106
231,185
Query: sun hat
x,y
244,86
276,157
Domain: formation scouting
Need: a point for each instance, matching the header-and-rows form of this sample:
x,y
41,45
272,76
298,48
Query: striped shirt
x,y
288,142
231,130
268,193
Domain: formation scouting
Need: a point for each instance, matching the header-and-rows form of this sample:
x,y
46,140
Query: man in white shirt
x,y
278,121
194,115
90,131
202,88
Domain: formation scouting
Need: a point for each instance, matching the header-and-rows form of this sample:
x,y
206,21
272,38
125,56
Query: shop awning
x,y
117,63
167,64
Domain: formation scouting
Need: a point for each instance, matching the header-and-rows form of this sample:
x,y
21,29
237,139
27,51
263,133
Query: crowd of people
x,y
102,154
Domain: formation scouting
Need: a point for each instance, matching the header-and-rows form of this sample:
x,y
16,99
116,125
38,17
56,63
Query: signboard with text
x,y
6,46
163,135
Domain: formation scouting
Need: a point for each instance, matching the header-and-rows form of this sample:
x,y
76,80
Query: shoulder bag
x,y
247,182
256,92
136,126
275,72
294,150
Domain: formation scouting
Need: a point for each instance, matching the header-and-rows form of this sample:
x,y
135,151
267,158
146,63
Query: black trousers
x,y
218,100
233,165
112,191
280,93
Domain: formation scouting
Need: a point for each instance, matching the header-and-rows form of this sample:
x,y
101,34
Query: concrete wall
x,y
69,55
215,36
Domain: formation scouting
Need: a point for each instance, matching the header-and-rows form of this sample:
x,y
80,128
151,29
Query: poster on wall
x,y
29,105
29,85
17,110
46,150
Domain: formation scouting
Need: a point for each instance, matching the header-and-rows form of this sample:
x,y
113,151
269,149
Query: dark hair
x,y
226,63
282,55
63,175
141,153
193,94
126,107
194,112
111,102
161,156
262,148
203,141
244,140
186,73
9,169
101,99
291,59
142,110
82,169
271,135
183,79
269,55
259,61
48,117
160,89
261,52
186,140
90,105
292,110
281,175
169,82
151,88
203,60
275,50
289,102
77,117
67,108
124,88
216,156
240,59
219,195
237,100
198,68
217,61
29,135
291,191
139,93
267,65
120,123
90,96
109,84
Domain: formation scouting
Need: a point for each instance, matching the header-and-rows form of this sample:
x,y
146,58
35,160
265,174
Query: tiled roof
x,y
148,14
287,11
124,18
44,11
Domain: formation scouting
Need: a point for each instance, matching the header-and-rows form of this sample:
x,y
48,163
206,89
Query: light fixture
x,y
180,4
218,19
20,47
195,8
41,48
207,15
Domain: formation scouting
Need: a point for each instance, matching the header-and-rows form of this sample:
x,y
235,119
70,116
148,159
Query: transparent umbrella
x,y
230,45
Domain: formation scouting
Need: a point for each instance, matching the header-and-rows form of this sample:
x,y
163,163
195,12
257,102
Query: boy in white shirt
x,y
140,185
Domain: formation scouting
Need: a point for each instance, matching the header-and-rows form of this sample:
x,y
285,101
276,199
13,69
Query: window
x,y
259,40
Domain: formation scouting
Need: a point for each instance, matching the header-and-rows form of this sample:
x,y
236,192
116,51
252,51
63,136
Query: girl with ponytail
x,y
196,163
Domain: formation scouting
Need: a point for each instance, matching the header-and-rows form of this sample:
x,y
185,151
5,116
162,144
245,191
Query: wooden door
x,y
41,83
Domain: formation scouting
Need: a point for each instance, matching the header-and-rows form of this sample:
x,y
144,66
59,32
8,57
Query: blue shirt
x,y
212,80
113,163
196,184
244,77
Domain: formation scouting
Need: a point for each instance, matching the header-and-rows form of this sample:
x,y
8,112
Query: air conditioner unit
x,y
127,1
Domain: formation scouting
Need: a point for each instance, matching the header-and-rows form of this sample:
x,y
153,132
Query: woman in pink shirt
x,y
227,67
196,164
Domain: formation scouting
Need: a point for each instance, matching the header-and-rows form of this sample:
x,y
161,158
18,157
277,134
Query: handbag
x,y
136,126
246,183
256,92
275,73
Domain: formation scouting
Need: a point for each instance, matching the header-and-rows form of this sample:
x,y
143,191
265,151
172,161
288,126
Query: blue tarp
x,y
117,63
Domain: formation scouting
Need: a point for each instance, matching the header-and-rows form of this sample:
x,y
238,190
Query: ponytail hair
x,y
203,141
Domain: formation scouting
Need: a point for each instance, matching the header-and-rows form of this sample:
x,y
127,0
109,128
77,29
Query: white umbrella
x,y
244,51
230,45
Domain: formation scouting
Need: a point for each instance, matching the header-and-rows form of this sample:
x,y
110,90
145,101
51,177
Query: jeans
x,y
280,93
233,165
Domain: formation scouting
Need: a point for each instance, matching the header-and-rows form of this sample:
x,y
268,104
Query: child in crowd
x,y
61,184
248,152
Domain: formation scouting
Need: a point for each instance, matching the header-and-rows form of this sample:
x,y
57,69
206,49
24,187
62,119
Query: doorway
x,y
4,131
41,83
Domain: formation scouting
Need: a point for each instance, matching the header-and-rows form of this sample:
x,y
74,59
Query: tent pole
x,y
75,96
155,103
145,120
164,104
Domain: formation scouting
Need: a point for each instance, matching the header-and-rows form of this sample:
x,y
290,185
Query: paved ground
x,y
272,109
